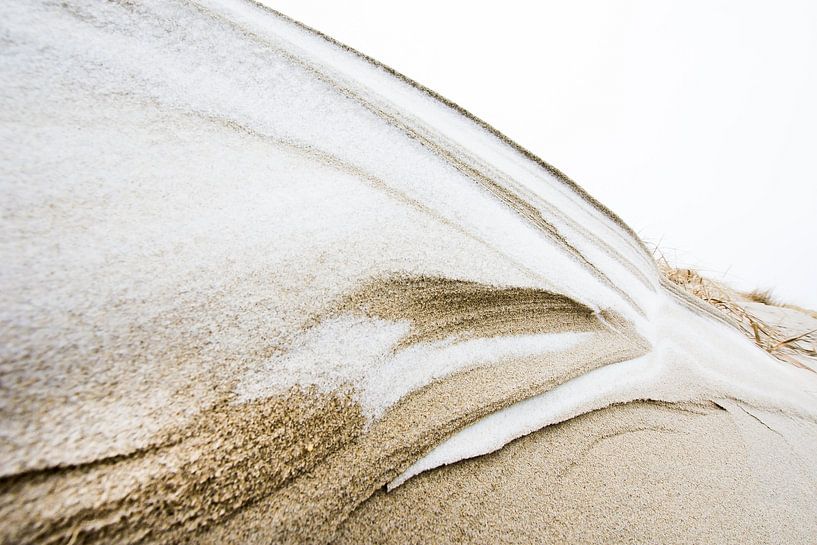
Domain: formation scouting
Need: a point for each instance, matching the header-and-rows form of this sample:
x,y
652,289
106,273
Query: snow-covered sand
x,y
249,277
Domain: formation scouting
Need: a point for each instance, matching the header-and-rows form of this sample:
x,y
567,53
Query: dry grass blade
x,y
793,361
793,339
761,296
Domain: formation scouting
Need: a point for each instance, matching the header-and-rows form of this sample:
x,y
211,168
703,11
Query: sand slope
x,y
251,277
634,473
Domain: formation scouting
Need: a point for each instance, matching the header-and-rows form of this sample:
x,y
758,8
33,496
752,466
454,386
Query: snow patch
x,y
362,353
684,365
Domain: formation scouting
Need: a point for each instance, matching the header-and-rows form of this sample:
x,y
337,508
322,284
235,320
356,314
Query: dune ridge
x,y
251,277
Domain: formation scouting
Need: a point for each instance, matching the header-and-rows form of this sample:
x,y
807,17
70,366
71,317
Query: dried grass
x,y
762,296
789,349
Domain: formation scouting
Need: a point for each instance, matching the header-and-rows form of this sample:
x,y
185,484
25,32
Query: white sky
x,y
695,121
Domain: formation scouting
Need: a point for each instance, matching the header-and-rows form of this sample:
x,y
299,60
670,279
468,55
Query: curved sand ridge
x,y
250,277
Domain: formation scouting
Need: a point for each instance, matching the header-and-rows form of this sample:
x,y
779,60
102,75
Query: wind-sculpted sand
x,y
439,308
259,288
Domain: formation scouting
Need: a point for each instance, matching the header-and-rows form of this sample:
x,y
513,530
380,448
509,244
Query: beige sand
x,y
439,308
635,473
291,468
192,189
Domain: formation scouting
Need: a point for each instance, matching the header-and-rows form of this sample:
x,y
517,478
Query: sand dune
x,y
252,279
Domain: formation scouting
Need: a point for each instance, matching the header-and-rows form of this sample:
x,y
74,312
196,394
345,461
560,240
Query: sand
x,y
634,473
251,276
283,469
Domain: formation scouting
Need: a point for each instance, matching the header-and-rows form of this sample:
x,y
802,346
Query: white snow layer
x,y
361,351
214,152
693,359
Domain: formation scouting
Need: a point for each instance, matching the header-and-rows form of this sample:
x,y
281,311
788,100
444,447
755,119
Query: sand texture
x,y
633,473
256,287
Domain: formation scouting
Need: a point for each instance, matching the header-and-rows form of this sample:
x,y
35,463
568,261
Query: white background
x,y
695,121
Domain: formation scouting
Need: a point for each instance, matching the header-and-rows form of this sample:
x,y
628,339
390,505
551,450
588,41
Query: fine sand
x,y
252,278
634,473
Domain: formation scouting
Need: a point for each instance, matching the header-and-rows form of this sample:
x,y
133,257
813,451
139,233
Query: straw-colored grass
x,y
787,348
762,296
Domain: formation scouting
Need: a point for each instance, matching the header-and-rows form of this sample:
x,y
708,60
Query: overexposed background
x,y
695,121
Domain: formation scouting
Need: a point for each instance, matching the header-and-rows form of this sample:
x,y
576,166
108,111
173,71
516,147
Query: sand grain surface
x,y
250,277
634,473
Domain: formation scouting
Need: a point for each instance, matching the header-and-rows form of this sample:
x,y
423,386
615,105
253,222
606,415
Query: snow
x,y
362,353
237,163
693,359
198,182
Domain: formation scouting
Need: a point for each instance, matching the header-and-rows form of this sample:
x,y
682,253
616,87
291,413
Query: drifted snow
x,y
214,160
692,359
361,352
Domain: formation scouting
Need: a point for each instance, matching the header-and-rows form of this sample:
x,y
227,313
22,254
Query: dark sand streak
x,y
303,458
